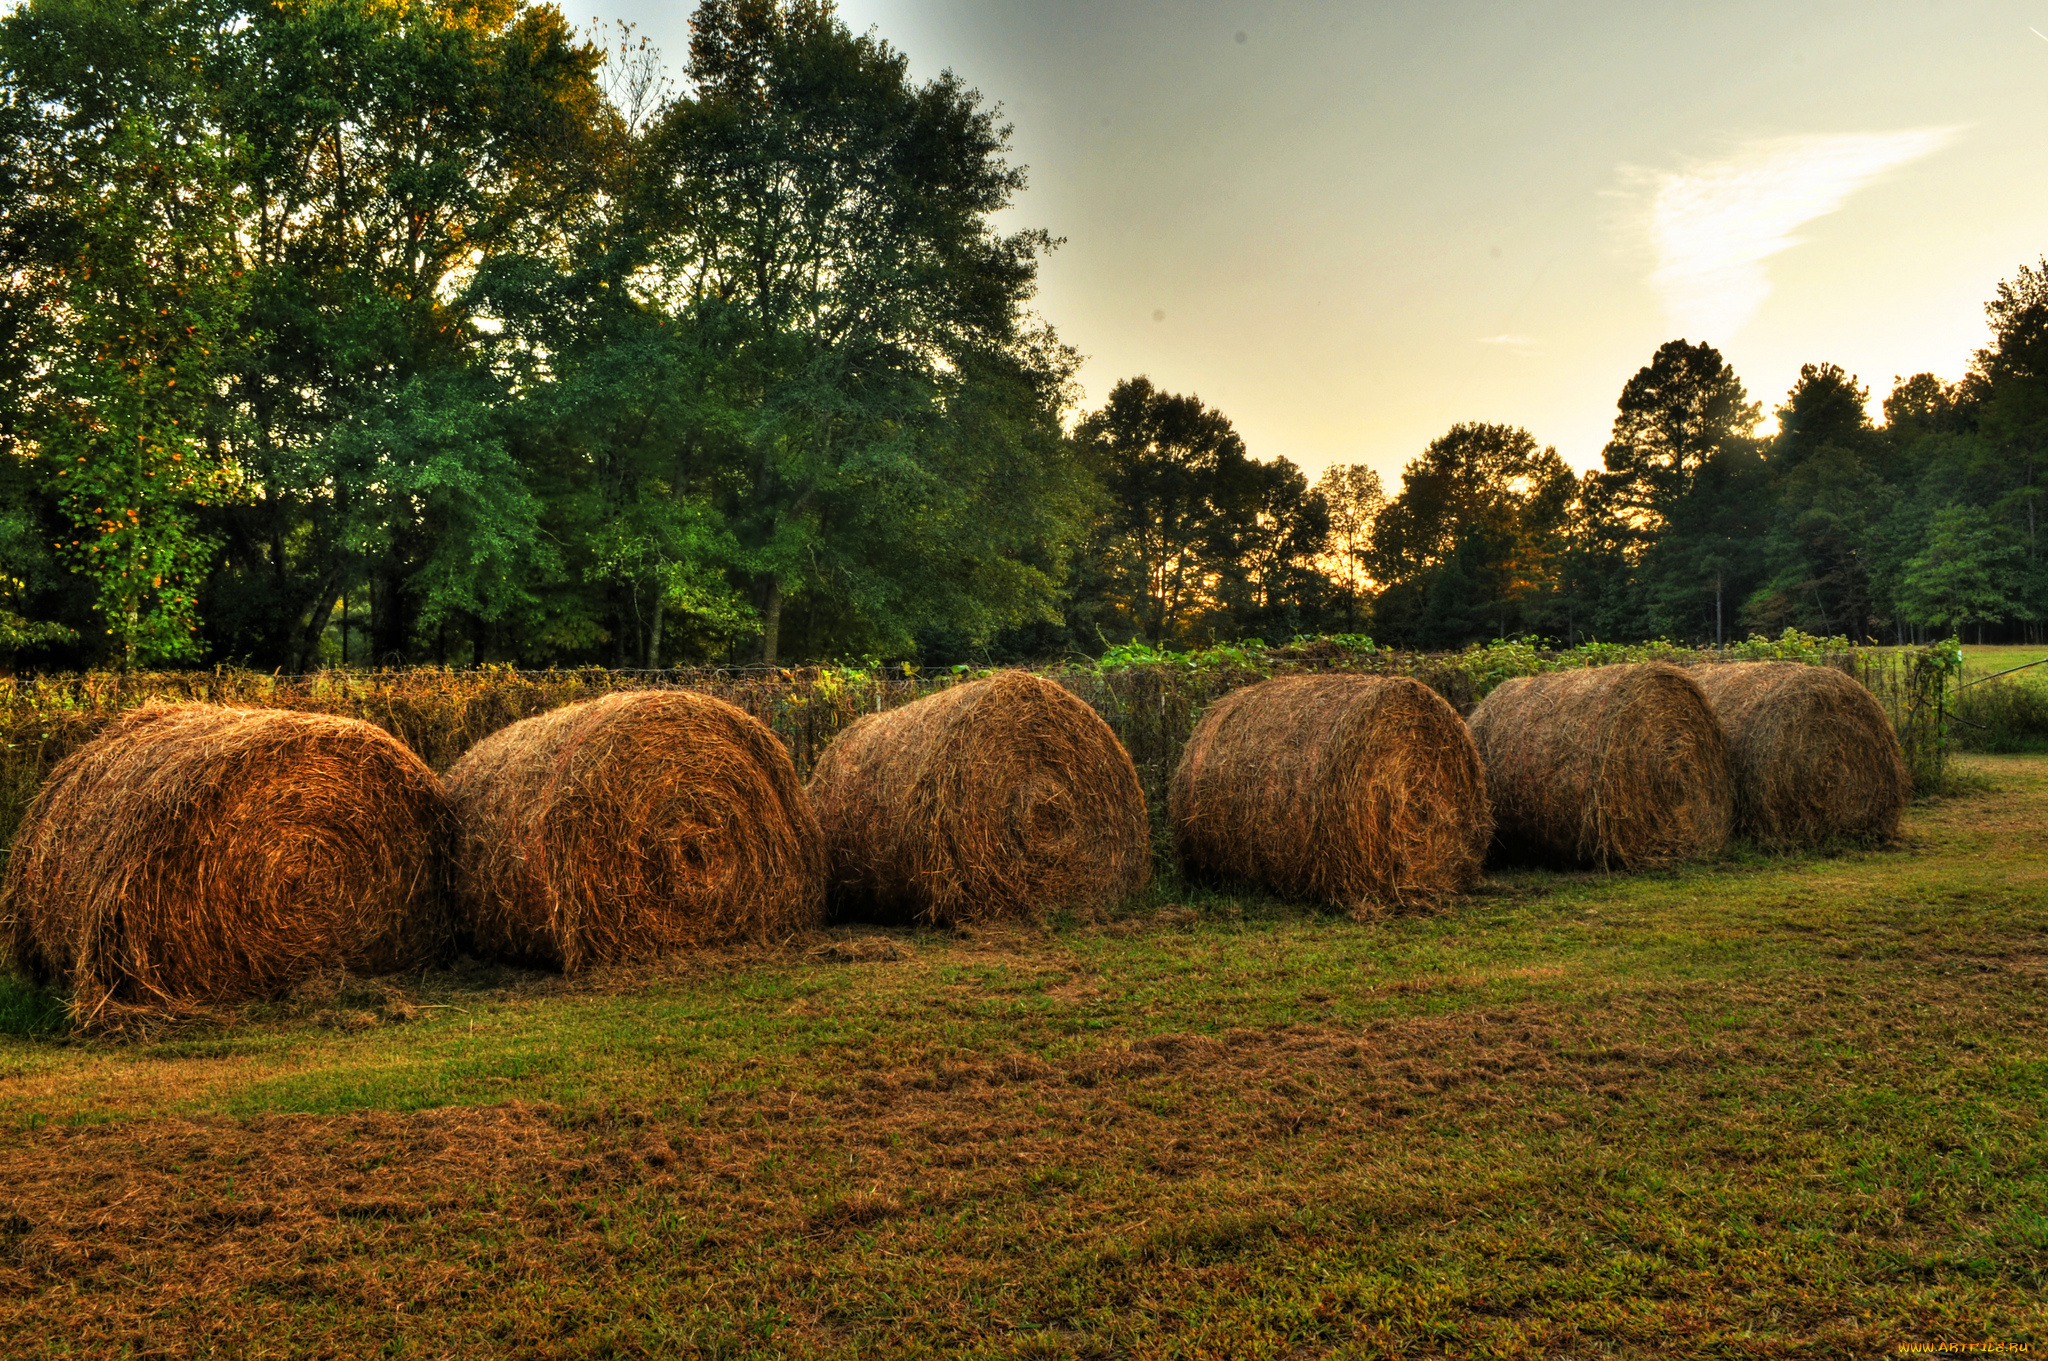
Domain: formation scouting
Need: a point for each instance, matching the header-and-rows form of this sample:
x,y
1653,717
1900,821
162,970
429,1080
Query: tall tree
x,y
1354,496
1473,542
1829,491
1166,463
147,299
1272,531
1673,416
1955,580
839,219
392,149
2010,379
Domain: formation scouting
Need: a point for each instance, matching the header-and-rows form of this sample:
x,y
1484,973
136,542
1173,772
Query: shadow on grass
x,y
31,1012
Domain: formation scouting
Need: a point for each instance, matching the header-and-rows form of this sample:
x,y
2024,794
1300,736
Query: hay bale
x,y
192,854
1357,791
997,798
629,827
1814,755
1614,767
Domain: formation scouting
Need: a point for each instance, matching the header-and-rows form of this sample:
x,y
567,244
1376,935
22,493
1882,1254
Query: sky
x,y
1350,226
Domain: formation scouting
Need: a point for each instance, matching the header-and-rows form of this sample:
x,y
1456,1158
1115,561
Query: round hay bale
x,y
997,798
1613,767
192,854
1814,755
630,827
1356,791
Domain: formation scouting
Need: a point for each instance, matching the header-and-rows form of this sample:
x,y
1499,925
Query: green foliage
x,y
1196,536
1954,581
438,318
1471,545
2005,715
1248,655
151,298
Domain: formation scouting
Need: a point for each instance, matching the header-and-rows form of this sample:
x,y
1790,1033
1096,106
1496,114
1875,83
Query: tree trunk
x,y
307,650
771,620
389,625
654,633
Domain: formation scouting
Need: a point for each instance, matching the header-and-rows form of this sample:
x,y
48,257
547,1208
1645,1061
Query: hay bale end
x,y
193,855
1814,755
629,827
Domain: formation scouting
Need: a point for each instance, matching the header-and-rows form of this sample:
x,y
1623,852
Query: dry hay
x,y
997,798
1815,757
1357,791
629,827
192,855
1615,767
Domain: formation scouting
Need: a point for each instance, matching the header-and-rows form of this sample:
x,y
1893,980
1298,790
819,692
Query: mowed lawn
x,y
1792,1107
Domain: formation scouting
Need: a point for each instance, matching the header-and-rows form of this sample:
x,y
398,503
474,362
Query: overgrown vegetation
x,y
2006,714
1150,697
1764,1107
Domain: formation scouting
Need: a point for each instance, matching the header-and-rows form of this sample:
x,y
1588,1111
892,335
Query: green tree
x,y
1959,577
1829,492
148,297
1484,508
1271,533
2009,379
1165,462
837,219
389,151
1674,415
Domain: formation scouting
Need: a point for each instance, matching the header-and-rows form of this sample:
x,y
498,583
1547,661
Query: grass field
x,y
1792,1107
1985,660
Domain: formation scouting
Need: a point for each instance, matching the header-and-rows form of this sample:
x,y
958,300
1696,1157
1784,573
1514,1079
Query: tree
x,y
1271,531
1826,408
1484,506
391,150
2009,377
1956,580
144,302
837,219
1827,467
1354,496
1704,560
1164,461
1674,415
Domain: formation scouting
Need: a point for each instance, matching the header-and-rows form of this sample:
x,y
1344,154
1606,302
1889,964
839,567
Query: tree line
x,y
369,331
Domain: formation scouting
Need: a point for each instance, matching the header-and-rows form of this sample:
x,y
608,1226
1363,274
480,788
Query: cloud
x,y
1516,341
1714,225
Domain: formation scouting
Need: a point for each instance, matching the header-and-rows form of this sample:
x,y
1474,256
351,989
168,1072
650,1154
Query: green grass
x,y
1763,1107
1987,659
2005,715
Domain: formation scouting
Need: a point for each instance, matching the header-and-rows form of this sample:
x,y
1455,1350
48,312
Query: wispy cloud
x,y
1517,342
1714,225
